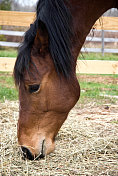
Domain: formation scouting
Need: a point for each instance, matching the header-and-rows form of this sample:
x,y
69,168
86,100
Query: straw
x,y
87,144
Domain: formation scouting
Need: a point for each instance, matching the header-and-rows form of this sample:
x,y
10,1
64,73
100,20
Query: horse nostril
x,y
26,153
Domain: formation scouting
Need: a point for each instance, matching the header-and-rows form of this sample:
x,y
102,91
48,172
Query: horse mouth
x,y
42,153
28,155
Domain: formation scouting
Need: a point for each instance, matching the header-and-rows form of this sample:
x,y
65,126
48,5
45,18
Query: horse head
x,y
48,88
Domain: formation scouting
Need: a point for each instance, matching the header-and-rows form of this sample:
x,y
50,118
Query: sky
x,y
28,2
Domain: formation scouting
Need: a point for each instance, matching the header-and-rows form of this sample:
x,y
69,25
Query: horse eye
x,y
34,88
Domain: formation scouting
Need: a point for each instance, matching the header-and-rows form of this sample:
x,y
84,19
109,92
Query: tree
x,y
5,4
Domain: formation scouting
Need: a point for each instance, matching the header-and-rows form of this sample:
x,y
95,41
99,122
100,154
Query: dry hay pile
x,y
87,144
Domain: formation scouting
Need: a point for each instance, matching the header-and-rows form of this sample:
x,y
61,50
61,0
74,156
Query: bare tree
x,y
18,6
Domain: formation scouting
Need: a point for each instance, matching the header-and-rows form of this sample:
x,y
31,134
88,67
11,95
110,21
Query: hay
x,y
87,144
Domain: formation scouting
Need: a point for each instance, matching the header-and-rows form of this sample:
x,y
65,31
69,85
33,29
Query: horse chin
x,y
50,146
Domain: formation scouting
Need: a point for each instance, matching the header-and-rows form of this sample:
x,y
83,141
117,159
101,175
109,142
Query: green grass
x,y
7,87
7,94
95,91
98,56
116,122
8,52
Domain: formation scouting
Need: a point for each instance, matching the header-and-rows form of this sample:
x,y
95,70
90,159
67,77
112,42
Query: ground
x,y
107,79
87,143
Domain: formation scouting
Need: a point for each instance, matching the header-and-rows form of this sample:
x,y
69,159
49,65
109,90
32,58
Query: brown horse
x,y
45,69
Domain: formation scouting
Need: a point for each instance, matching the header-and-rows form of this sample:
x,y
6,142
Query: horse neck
x,y
85,14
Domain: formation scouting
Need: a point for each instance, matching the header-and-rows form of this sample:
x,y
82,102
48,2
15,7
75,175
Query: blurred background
x,y
29,6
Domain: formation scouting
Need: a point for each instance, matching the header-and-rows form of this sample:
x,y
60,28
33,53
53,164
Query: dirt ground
x,y
99,79
87,144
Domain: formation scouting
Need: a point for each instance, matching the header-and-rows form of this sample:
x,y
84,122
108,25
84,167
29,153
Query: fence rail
x,y
99,50
12,33
10,44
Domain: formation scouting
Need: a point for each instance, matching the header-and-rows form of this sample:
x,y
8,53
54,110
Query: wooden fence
x,y
12,18
101,39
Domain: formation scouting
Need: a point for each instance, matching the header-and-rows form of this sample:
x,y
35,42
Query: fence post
x,y
102,35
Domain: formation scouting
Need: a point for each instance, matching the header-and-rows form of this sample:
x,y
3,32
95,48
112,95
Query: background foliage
x,y
5,4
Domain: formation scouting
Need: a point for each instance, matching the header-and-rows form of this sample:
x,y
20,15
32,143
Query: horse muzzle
x,y
27,154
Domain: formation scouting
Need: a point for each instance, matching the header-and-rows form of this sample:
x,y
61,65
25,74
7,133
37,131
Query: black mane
x,y
58,21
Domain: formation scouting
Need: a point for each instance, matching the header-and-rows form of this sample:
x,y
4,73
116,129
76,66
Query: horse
x,y
45,69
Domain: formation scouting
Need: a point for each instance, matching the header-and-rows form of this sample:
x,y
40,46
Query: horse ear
x,y
41,39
